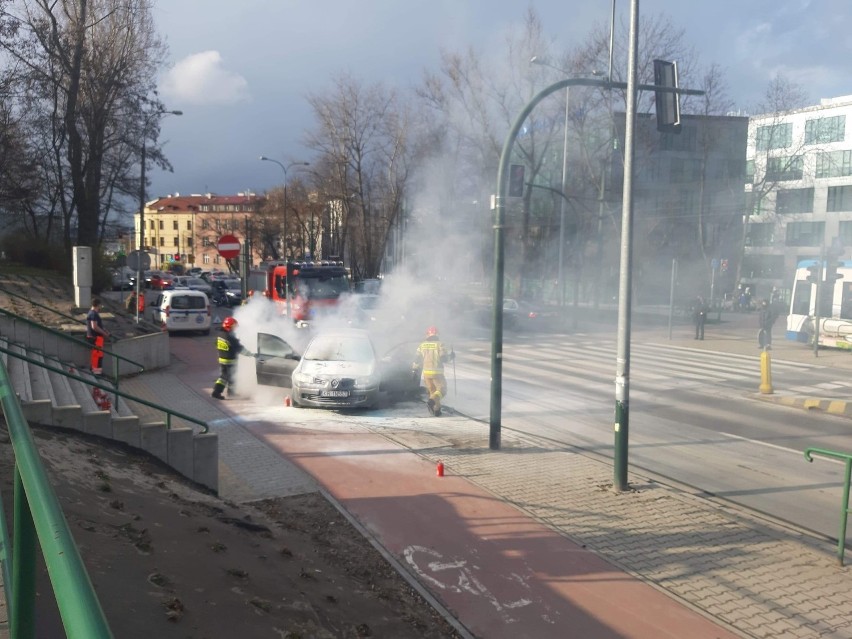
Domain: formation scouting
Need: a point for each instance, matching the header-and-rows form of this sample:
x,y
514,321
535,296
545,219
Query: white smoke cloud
x,y
202,79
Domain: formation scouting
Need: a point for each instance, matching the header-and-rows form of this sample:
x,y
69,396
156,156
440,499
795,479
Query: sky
x,y
240,71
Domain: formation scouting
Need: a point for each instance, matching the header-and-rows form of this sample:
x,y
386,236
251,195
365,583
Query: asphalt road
x,y
694,417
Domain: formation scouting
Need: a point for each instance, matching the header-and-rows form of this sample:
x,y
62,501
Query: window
x,y
834,164
805,233
784,168
789,201
846,233
769,266
162,241
686,140
760,234
205,224
824,130
205,242
749,171
774,136
153,225
206,258
189,242
174,225
839,199
176,241
189,225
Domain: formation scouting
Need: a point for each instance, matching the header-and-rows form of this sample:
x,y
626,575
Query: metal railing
x,y
844,507
112,390
38,521
116,358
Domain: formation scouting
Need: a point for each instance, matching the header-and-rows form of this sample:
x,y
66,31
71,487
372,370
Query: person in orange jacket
x,y
432,356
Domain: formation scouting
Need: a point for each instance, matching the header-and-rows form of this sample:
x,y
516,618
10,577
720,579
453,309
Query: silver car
x,y
339,369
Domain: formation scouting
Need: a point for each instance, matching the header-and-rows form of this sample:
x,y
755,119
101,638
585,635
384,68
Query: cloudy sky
x,y
240,71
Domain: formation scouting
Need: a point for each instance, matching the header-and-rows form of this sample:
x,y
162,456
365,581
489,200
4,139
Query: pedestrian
x,y
768,315
228,347
431,357
134,303
699,317
95,335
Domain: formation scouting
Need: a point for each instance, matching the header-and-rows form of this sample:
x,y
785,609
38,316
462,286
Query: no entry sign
x,y
229,246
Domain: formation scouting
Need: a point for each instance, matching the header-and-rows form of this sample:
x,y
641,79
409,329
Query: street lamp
x,y
284,168
146,123
561,266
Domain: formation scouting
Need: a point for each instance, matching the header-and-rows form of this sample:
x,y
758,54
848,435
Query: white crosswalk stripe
x,y
584,363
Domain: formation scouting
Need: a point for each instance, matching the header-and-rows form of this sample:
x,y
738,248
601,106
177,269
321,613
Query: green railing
x,y
116,358
844,507
113,391
38,520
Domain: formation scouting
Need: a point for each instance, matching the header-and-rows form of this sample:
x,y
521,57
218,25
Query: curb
x,y
836,407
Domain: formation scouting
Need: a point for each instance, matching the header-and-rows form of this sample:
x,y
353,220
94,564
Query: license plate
x,y
334,393
178,318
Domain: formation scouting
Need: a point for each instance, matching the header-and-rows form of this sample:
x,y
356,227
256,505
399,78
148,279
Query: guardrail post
x,y
844,510
766,372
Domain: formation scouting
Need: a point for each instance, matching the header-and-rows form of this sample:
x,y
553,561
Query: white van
x,y
182,310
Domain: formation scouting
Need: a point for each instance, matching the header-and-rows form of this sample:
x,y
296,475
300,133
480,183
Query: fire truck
x,y
313,288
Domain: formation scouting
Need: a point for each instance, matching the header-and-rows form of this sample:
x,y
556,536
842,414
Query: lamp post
x,y
285,168
141,247
561,266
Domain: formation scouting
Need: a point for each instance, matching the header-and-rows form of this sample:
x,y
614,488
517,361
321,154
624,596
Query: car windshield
x,y
234,285
340,348
323,287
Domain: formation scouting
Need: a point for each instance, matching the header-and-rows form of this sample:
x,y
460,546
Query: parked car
x,y
182,310
227,292
339,369
194,284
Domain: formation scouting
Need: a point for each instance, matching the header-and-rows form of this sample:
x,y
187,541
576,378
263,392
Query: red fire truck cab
x,y
314,288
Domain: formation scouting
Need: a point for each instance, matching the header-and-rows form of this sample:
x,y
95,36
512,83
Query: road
x,y
695,417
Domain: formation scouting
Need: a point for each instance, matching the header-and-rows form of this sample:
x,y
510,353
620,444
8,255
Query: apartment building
x,y
798,191
186,229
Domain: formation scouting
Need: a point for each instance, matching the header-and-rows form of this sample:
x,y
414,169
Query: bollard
x,y
287,400
766,373
440,469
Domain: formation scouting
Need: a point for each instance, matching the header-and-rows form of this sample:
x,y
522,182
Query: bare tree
x,y
83,66
362,141
777,156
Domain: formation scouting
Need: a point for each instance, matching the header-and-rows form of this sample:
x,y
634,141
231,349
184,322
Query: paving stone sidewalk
x,y
759,579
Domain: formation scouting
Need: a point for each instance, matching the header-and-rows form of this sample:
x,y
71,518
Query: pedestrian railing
x,y
135,367
844,507
38,521
112,390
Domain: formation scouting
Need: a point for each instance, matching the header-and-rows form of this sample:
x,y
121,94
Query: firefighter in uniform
x,y
228,347
432,357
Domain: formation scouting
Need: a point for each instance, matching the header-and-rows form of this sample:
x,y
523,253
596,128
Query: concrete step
x,y
50,398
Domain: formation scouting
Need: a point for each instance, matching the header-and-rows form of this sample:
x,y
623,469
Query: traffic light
x,y
667,103
831,273
813,274
516,180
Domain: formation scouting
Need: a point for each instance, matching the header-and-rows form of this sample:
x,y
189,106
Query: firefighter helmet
x,y
228,323
431,331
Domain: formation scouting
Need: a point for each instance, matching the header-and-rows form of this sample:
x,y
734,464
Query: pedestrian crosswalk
x,y
586,362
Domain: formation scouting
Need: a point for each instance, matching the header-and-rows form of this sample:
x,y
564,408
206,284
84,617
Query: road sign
x,y
229,246
138,260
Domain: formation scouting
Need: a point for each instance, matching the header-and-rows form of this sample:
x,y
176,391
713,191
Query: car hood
x,y
336,369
